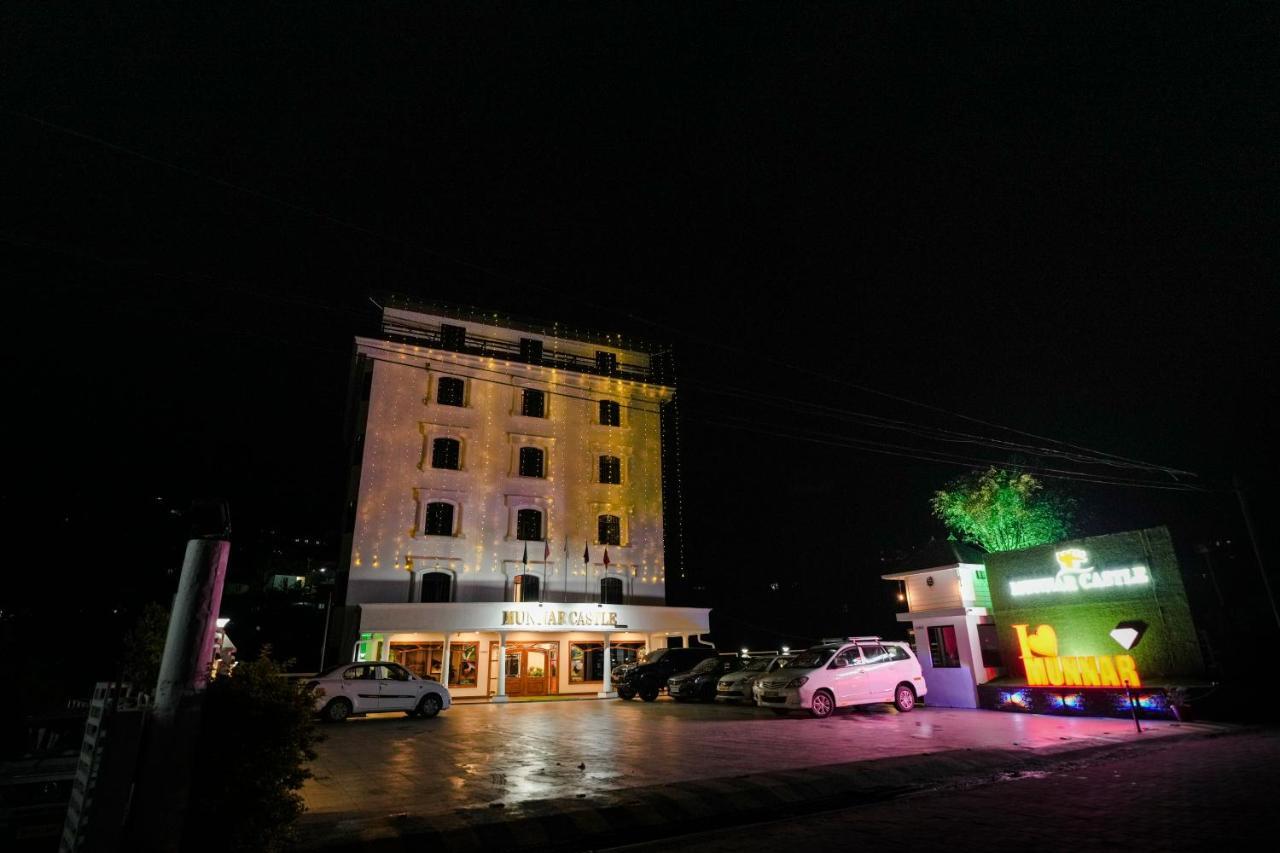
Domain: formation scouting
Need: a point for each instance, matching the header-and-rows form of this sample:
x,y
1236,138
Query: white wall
x,y
397,479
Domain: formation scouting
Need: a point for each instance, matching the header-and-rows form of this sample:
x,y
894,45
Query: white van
x,y
855,671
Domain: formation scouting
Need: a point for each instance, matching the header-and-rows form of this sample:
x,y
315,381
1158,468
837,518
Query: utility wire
x,y
924,431
926,455
702,339
846,442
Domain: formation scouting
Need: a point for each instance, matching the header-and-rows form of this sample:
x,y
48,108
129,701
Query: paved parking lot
x,y
475,755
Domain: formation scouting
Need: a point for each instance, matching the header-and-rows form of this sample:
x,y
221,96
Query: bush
x,y
143,648
257,735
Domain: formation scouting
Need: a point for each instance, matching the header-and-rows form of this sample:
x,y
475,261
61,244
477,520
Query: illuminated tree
x,y
1003,510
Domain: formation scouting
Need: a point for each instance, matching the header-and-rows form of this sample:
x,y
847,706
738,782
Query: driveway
x,y
476,755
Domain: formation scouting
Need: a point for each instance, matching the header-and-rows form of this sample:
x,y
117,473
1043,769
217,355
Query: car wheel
x,y
626,693
822,704
429,706
649,694
337,711
904,697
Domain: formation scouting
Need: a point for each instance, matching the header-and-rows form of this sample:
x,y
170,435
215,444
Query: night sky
x,y
1060,220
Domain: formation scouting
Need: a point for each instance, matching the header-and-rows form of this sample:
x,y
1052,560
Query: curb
x,y
633,815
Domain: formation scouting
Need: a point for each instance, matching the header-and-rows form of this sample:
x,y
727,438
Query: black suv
x,y
699,683
647,678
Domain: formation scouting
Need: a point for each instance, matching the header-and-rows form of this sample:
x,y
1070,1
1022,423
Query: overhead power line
x,y
701,339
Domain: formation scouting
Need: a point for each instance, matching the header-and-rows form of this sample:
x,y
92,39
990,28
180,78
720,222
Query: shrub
x,y
257,735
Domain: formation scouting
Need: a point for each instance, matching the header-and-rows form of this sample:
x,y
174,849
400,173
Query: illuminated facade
x,y
507,504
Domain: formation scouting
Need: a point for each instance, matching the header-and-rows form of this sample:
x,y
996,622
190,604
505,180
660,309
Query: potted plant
x,y
1178,699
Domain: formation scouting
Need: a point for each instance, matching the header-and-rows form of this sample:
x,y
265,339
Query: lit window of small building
x,y
524,588
439,520
435,587
533,403
531,350
529,525
609,530
532,461
610,469
446,453
611,590
610,413
451,391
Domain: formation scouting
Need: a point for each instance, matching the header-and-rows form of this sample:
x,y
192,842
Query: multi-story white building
x,y
507,505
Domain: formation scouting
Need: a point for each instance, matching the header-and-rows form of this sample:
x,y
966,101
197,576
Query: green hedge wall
x,y
1084,619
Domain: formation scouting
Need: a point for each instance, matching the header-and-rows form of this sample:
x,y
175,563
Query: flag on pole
x,y
546,550
586,553
606,557
525,558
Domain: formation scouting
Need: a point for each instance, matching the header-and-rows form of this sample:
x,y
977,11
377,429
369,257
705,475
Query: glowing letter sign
x,y
1075,574
1045,668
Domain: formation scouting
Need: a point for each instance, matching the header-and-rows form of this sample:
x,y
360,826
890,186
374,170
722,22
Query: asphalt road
x,y
1217,793
477,755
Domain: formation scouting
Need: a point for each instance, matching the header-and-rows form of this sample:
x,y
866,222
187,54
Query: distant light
x,y
901,597
222,622
786,650
744,651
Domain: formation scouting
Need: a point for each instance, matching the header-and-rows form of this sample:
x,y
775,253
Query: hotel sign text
x,y
1075,574
546,617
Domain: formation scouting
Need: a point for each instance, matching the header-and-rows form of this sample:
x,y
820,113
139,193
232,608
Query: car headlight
x,y
798,682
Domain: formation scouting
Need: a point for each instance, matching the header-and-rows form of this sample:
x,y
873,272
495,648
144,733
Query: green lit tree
x,y
1003,510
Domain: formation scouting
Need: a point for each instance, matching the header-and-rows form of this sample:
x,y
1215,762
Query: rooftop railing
x,y
443,337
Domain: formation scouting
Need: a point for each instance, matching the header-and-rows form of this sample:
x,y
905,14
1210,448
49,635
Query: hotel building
x,y
505,516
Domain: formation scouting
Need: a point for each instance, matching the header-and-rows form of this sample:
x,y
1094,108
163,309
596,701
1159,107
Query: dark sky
x,y
1062,220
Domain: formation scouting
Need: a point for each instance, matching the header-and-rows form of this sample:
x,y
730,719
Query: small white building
x,y
505,524
949,608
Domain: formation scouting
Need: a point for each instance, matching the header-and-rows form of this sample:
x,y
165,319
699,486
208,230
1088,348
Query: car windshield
x,y
708,665
757,665
655,655
780,663
813,658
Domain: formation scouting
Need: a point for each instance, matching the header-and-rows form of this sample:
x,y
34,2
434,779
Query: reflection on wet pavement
x,y
476,755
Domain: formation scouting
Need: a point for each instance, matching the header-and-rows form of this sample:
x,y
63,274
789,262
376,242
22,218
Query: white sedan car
x,y
373,686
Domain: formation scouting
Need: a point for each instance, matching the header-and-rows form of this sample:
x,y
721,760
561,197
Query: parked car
x,y
737,686
857,671
373,686
699,683
649,677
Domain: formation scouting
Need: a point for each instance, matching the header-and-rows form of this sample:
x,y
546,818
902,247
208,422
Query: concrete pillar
x,y
606,691
444,663
502,669
188,648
